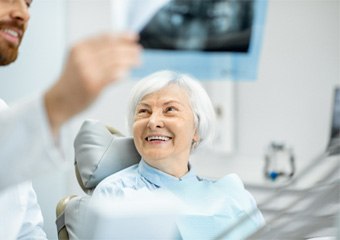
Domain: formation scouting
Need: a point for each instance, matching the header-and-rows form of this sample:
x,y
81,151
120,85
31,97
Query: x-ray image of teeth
x,y
204,25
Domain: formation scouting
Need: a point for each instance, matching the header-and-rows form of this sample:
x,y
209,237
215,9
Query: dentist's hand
x,y
91,66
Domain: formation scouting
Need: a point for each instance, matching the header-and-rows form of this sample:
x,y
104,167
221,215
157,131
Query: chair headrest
x,y
101,151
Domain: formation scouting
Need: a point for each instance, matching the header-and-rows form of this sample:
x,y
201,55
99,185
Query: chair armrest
x,y
60,221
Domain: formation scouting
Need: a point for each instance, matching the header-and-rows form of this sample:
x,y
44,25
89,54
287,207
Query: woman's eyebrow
x,y
172,102
166,103
143,104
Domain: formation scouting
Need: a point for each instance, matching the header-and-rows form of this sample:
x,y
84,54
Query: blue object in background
x,y
211,65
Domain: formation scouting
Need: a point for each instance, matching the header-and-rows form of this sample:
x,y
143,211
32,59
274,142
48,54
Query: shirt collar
x,y
163,179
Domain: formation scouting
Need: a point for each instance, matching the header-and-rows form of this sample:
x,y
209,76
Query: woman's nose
x,y
155,121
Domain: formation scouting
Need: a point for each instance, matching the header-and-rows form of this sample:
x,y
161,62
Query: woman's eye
x,y
142,110
170,109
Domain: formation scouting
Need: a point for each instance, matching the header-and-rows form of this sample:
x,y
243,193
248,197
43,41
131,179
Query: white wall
x,y
291,99
299,67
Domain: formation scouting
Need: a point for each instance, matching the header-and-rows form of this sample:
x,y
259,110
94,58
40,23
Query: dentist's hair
x,y
202,108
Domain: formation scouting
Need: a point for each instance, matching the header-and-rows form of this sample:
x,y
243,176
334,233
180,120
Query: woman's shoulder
x,y
122,175
233,186
230,186
230,181
118,180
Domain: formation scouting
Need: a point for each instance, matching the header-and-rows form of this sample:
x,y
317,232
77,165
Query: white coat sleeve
x,y
32,224
27,146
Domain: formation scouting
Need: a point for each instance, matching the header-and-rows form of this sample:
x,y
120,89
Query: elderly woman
x,y
170,115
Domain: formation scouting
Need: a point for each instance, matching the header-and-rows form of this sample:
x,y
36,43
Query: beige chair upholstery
x,y
61,227
99,152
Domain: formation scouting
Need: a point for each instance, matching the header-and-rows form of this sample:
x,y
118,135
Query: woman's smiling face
x,y
164,128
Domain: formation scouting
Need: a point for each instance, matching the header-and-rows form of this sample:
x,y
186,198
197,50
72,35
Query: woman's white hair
x,y
204,114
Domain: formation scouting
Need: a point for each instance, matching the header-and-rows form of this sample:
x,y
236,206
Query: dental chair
x,y
99,152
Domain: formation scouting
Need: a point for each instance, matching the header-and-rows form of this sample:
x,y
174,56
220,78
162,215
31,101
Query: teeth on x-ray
x,y
220,25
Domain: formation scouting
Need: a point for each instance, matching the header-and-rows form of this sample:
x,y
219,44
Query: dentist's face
x,y
14,17
164,128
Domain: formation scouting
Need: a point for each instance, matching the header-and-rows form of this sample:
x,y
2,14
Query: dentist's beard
x,y
7,55
8,51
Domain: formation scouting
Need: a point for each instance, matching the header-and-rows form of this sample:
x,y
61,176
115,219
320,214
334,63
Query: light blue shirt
x,y
218,205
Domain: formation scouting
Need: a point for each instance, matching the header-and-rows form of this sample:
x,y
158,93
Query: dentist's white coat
x,y
27,149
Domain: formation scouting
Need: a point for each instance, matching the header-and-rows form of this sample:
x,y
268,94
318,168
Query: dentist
x,y
29,131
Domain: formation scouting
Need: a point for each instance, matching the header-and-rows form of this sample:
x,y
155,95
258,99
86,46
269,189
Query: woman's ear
x,y
196,137
195,141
